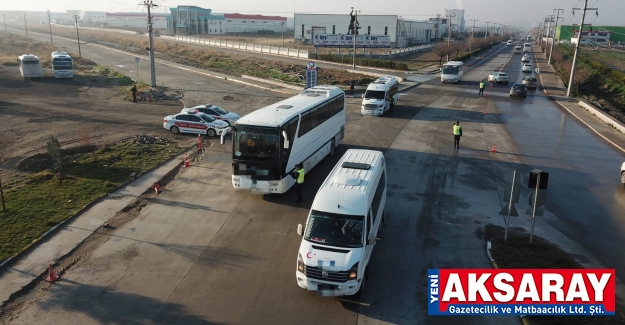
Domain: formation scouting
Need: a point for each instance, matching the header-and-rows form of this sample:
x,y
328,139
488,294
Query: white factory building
x,y
402,32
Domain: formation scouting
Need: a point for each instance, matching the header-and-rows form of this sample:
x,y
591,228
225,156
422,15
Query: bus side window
x,y
292,129
324,114
341,101
304,125
314,118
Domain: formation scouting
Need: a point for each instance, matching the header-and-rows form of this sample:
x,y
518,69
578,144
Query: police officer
x,y
391,102
352,83
298,175
457,135
134,92
482,86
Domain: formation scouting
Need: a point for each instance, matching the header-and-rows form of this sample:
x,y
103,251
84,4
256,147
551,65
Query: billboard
x,y
339,40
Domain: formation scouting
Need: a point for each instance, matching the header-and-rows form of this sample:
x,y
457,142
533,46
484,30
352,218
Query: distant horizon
x,y
523,15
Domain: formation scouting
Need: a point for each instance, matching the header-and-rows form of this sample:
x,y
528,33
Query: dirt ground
x,y
32,111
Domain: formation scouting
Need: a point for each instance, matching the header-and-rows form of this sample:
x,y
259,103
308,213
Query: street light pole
x,y
473,29
50,25
486,34
553,39
449,16
25,26
282,34
78,36
149,4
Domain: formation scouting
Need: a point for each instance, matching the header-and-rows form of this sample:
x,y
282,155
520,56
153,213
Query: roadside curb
x,y
575,115
492,261
90,205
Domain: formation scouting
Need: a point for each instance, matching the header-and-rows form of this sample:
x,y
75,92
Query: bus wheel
x,y
332,147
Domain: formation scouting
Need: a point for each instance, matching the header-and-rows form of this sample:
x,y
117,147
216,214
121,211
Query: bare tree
x,y
85,140
582,75
441,50
4,145
54,150
456,48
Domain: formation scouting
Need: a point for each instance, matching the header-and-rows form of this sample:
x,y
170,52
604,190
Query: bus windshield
x,y
30,62
374,94
335,229
256,142
62,63
450,69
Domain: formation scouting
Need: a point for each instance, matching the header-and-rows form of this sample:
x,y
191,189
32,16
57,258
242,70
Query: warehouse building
x,y
192,20
614,34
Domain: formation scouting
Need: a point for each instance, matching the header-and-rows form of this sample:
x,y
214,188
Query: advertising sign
x,y
339,40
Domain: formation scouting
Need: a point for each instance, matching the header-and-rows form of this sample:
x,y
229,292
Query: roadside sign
x,y
514,188
540,206
311,75
137,59
513,211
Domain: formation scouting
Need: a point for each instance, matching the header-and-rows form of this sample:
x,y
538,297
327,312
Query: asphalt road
x,y
204,253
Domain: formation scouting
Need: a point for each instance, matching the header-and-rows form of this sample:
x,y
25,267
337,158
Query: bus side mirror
x,y
226,130
286,140
300,229
371,240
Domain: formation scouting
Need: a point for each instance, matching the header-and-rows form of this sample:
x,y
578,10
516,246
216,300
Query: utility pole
x,y
473,29
486,34
553,40
449,16
149,4
77,36
25,27
579,40
50,25
549,19
282,34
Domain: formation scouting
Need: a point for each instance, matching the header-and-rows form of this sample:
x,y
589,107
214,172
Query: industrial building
x,y
192,20
457,19
402,32
594,34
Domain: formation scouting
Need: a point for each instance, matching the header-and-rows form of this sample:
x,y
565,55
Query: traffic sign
x,y
513,211
137,59
540,207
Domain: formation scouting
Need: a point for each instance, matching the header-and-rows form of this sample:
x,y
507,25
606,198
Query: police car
x,y
194,123
215,112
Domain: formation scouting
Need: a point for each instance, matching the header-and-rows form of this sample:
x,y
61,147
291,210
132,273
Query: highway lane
x,y
202,252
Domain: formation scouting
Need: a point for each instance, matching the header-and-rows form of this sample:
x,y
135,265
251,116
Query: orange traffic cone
x,y
494,149
485,95
186,160
484,112
157,188
199,142
51,274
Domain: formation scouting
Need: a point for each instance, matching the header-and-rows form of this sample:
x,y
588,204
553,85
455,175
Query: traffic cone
x,y
485,95
484,112
51,274
199,142
157,188
494,149
186,160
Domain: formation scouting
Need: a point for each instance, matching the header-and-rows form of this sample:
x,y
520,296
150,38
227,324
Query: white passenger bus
x,y
30,66
267,143
62,65
452,71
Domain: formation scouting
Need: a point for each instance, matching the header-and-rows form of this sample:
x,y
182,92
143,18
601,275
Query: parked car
x,y
527,67
215,112
623,173
499,77
198,123
518,90
526,58
530,82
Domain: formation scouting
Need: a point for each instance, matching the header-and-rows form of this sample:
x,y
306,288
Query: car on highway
x,y
623,173
527,67
509,43
517,50
526,58
198,123
499,77
215,112
530,82
518,90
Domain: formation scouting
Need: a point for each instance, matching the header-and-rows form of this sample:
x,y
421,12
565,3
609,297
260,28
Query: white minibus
x,y
62,65
30,66
376,99
343,225
452,71
269,142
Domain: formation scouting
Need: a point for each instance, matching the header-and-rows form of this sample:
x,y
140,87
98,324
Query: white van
x,y
527,48
517,50
30,66
375,101
452,72
342,226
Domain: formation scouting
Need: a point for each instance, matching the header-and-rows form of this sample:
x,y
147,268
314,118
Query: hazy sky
x,y
523,13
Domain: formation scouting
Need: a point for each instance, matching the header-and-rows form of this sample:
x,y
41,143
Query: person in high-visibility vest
x,y
298,175
457,135
482,86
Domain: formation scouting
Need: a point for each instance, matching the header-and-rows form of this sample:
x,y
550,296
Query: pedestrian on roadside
x,y
352,83
298,176
134,92
482,86
391,102
457,135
